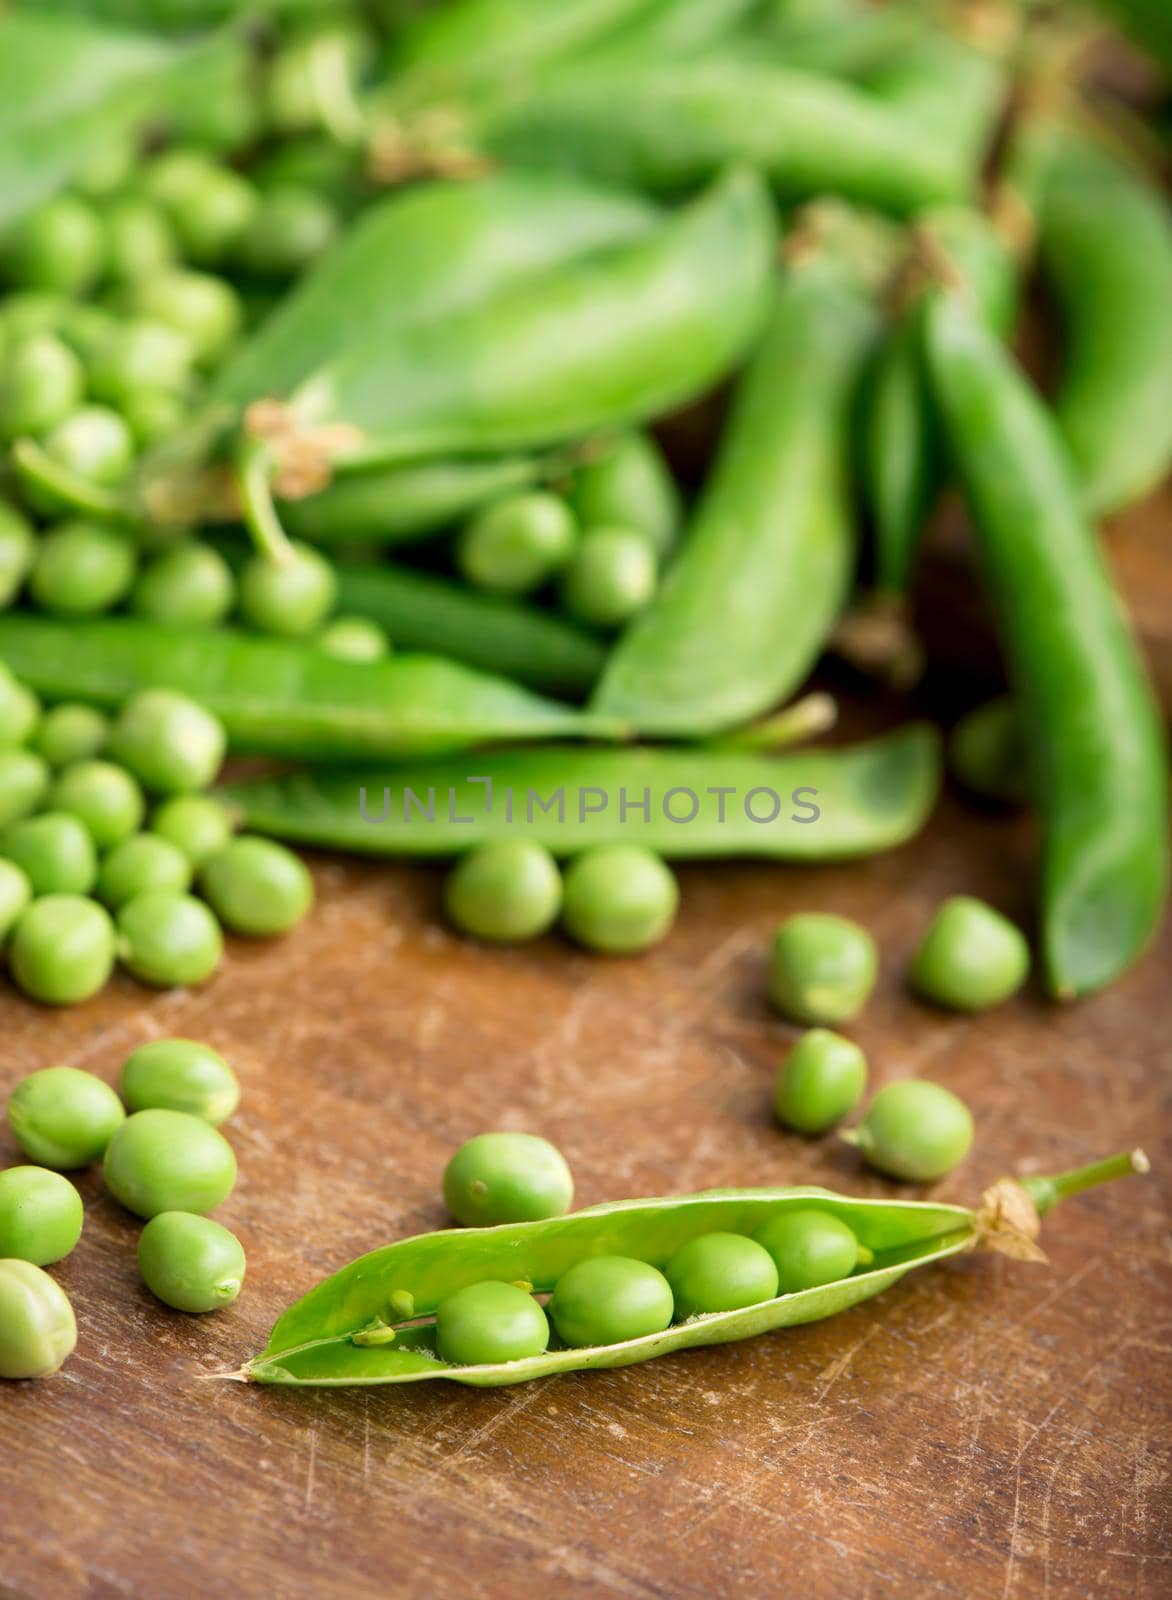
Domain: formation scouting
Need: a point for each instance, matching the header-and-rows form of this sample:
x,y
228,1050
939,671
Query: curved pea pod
x,y
1105,250
809,805
284,699
1096,747
351,1329
518,641
767,563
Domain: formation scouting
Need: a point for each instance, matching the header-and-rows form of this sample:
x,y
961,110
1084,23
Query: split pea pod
x,y
284,699
688,804
1092,730
767,564
1105,250
373,1322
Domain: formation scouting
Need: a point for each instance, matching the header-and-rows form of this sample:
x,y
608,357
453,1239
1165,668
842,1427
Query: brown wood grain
x,y
986,1430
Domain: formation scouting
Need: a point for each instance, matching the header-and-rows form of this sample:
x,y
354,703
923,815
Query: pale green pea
x,y
62,1117
69,733
37,1326
971,957
820,1080
15,894
196,824
82,568
180,1075
720,1272
257,887
610,578
489,1322
18,547
24,783
507,1177
139,865
822,969
354,639
914,1130
169,940
62,949
41,383
609,1299
190,1263
619,899
167,1161
170,743
41,1215
104,797
809,1248
506,891
55,852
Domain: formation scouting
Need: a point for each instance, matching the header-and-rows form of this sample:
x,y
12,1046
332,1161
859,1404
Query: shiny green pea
x,y
514,545
41,383
139,239
71,732
140,352
971,957
720,1272
822,969
59,246
205,308
37,1326
354,639
15,894
18,547
189,585
809,1248
62,949
41,1215
190,1263
180,1075
24,783
169,940
196,824
914,1130
167,1161
170,743
142,864
93,443
257,887
507,1177
290,598
55,852
489,1322
103,796
611,577
820,1080
506,891
609,1299
619,899
82,568
63,1118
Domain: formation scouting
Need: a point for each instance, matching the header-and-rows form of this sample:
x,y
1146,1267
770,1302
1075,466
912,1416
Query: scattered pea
x,y
41,1215
55,852
619,899
190,585
354,639
611,577
69,733
169,940
609,1299
195,824
102,796
37,1326
180,1075
190,1263
971,957
62,949
506,891
257,887
720,1272
82,568
63,1118
513,546
507,1177
170,743
914,1130
290,598
809,1248
820,1080
142,864
168,1161
490,1322
822,969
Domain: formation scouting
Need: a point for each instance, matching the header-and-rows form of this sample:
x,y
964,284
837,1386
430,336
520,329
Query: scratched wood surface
x,y
986,1429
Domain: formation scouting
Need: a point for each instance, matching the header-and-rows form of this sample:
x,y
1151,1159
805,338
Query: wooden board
x,y
987,1429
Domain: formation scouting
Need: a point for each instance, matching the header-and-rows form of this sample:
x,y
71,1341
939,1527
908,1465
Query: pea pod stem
x,y
254,469
1047,1192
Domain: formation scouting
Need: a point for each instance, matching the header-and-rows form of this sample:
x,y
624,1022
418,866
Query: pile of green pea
x,y
104,830
162,1158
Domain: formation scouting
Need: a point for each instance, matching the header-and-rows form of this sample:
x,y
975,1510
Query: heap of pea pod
x,y
338,349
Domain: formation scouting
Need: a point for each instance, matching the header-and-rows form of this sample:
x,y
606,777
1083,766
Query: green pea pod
x,y
668,126
767,563
675,28
350,1329
390,506
1091,726
283,699
808,805
839,38
508,637
1105,247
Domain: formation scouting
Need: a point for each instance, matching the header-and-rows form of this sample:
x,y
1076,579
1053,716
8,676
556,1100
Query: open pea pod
x,y
350,1329
693,803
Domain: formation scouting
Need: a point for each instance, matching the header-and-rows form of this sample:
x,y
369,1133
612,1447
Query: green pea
x,y
62,1117
180,1075
489,1322
611,577
174,173
257,887
189,585
720,1272
82,568
94,443
608,1300
41,383
167,1161
15,894
290,598
71,732
354,639
821,1079
292,225
140,352
507,1177
822,968
809,1248
154,414
139,239
170,743
55,852
513,546
195,824
914,1130
630,486
18,546
37,1326
190,1263
20,711
41,1215
212,216
59,246
108,165
619,899
24,783
142,864
102,796
169,940
971,957
86,327
208,310
62,950
32,311
506,891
